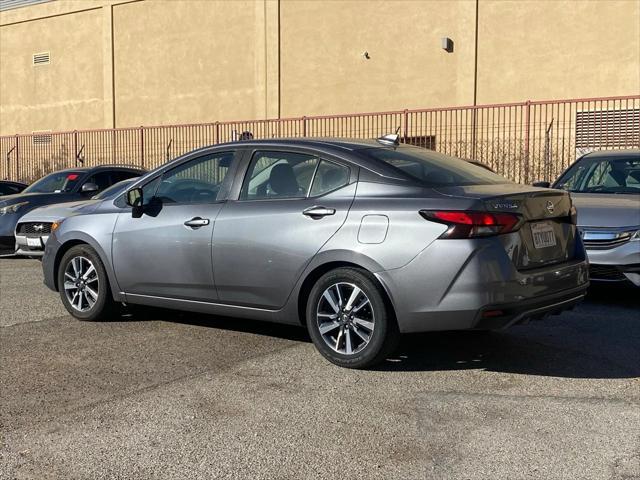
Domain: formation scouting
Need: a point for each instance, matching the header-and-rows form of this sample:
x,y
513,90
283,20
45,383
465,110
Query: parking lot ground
x,y
173,395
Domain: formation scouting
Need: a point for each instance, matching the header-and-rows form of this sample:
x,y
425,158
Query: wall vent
x,y
608,128
43,58
41,138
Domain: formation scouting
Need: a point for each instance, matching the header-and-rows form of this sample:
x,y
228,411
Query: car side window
x,y
329,176
278,175
196,181
120,175
8,190
102,180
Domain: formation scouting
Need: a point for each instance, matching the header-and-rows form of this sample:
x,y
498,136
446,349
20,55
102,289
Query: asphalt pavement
x,y
169,395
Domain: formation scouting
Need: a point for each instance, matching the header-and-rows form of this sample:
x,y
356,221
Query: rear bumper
x,y
533,309
450,284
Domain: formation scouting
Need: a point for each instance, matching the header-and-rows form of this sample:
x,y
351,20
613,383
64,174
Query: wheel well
x,y
61,251
318,272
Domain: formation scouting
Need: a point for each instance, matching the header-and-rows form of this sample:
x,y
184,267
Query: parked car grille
x,y
34,228
605,272
604,240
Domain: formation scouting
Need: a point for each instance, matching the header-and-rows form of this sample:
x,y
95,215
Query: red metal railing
x,y
525,141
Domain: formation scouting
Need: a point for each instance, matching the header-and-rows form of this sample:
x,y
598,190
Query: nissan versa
x,y
357,240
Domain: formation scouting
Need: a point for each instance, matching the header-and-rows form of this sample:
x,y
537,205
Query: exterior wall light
x,y
447,44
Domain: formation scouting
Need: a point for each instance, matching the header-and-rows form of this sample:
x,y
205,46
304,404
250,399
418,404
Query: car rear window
x,y
433,169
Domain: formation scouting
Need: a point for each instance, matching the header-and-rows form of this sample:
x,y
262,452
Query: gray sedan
x,y
605,187
356,240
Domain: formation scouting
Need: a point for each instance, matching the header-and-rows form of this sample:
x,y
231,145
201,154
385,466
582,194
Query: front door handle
x,y
318,212
197,222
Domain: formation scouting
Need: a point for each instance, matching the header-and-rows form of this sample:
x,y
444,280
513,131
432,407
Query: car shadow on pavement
x,y
267,329
599,339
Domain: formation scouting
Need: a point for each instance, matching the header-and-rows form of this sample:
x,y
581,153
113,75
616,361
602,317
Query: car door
x,y
166,252
289,205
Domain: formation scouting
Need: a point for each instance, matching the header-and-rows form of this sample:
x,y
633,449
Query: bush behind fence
x,y
526,141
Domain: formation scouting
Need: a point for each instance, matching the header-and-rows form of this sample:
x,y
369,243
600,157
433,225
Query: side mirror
x,y
542,184
134,197
89,188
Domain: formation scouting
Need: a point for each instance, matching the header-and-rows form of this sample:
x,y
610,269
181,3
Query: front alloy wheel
x,y
350,320
81,284
84,285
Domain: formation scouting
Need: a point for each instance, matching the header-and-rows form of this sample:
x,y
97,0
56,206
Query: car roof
x,y
626,153
317,142
101,168
13,183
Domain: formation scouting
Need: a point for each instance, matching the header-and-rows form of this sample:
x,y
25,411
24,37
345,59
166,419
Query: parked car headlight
x,y
12,208
636,235
55,225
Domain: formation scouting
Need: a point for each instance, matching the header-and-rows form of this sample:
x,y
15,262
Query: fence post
x,y
142,146
527,134
17,159
217,139
75,148
405,134
304,126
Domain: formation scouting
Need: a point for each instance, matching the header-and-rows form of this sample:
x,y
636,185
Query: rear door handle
x,y
197,222
317,212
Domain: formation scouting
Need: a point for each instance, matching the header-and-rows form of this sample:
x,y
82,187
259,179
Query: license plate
x,y
34,242
543,235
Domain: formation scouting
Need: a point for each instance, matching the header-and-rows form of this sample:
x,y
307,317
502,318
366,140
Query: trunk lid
x,y
547,234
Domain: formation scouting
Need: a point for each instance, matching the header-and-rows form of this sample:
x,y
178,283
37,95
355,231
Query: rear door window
x,y
279,175
329,176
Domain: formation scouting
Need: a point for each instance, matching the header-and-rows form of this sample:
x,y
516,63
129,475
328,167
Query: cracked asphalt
x,y
170,395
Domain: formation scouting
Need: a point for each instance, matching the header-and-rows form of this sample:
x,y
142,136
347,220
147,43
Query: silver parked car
x,y
605,188
357,240
33,228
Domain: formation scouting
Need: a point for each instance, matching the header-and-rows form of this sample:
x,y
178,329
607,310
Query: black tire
x,y
104,305
384,336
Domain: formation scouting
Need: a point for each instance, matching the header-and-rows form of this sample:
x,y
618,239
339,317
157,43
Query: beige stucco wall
x,y
533,49
195,62
323,70
171,61
56,96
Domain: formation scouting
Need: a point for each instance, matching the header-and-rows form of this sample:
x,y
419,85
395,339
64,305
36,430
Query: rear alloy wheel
x,y
349,320
83,284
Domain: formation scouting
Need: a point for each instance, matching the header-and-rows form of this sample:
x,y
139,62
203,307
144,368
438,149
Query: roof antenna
x,y
390,138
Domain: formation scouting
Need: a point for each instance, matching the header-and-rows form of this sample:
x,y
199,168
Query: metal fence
x,y
525,141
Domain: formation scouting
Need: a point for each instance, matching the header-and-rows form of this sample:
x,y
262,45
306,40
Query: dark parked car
x,y
11,188
357,240
59,187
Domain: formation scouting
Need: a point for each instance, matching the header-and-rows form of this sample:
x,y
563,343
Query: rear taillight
x,y
573,215
464,224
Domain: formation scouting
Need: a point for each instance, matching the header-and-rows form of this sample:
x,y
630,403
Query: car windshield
x,y
55,183
602,174
434,169
115,189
